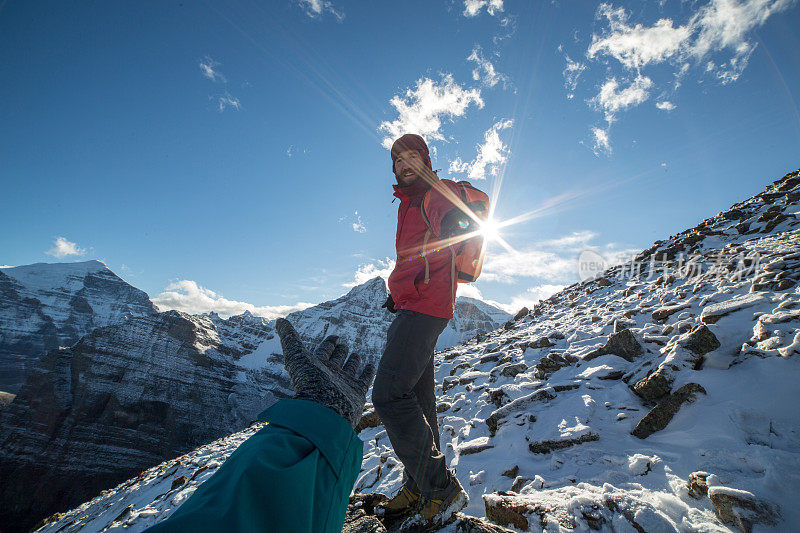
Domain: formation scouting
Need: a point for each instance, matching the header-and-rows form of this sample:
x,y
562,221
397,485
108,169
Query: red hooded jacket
x,y
423,278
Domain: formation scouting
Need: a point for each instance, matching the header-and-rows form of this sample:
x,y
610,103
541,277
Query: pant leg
x,y
424,390
408,356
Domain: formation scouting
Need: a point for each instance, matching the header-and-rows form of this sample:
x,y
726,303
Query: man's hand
x,y
325,377
389,304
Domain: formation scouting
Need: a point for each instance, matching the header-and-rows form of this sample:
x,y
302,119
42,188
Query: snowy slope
x,y
701,360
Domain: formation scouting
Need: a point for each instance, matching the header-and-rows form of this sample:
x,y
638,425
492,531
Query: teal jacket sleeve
x,y
295,474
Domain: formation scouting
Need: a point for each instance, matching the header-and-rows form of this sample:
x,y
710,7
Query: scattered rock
x,y
742,509
542,342
547,446
6,398
663,313
654,386
714,312
701,340
519,482
785,284
514,369
370,419
660,415
491,358
511,472
622,344
443,406
509,508
541,395
475,446
502,508
697,484
496,396
471,524
179,482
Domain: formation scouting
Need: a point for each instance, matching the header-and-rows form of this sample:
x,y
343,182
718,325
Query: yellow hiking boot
x,y
403,502
437,512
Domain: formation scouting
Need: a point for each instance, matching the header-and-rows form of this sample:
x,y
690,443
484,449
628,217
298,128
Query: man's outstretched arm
x,y
296,473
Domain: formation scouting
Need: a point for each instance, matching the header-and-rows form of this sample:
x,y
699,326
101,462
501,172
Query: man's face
x,y
408,167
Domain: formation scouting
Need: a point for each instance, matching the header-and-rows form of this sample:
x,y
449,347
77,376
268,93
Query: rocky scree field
x,y
658,402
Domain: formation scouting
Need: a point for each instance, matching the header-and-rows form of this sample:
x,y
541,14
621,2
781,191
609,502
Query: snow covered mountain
x,y
128,396
44,306
657,402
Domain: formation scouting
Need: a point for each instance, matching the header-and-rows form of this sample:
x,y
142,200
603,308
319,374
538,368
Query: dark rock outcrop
x,y
623,344
660,415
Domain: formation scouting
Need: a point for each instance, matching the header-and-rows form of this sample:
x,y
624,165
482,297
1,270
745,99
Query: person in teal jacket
x,y
296,473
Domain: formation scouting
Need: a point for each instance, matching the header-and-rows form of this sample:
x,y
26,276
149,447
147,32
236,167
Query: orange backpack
x,y
467,254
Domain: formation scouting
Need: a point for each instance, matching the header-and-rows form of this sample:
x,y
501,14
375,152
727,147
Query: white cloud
x,y
358,226
721,27
484,70
367,271
226,100
209,69
666,105
601,142
572,72
317,8
422,109
473,8
574,239
492,154
64,248
636,46
530,297
189,297
468,290
506,267
611,99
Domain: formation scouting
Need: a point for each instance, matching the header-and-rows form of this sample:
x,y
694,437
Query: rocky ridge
x,y
539,419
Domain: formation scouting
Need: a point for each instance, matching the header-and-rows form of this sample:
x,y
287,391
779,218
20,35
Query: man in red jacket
x,y
422,292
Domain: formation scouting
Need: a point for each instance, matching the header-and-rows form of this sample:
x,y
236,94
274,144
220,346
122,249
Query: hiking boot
x,y
403,502
437,512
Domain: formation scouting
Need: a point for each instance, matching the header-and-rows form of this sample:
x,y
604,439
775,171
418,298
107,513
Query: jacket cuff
x,y
323,427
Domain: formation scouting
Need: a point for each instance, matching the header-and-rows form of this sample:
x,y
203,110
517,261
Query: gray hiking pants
x,y
404,398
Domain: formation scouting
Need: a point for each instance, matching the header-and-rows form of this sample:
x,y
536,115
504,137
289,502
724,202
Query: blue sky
x,y
230,155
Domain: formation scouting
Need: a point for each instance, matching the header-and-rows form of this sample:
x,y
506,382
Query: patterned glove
x,y
325,377
389,304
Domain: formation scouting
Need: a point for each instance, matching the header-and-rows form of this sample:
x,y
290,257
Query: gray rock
x,y
369,420
623,344
654,386
547,446
742,509
513,369
698,484
701,340
660,415
663,313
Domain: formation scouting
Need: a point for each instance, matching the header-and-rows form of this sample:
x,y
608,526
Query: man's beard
x,y
407,180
